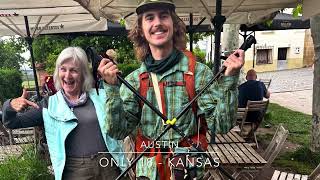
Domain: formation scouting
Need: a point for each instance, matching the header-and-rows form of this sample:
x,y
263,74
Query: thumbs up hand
x,y
19,104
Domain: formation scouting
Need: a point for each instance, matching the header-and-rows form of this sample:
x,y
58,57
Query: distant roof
x,y
281,21
285,16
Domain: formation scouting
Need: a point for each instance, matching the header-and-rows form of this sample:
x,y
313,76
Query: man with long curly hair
x,y
159,38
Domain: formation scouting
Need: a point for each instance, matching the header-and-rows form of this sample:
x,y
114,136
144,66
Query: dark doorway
x,y
282,53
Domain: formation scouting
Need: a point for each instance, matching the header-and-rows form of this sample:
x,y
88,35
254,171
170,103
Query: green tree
x,y
199,36
10,52
43,46
121,44
10,84
47,47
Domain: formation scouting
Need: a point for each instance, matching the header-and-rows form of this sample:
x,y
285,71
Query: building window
x,y
264,56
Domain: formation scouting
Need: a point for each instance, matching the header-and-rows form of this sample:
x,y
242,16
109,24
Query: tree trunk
x,y
230,39
230,42
315,132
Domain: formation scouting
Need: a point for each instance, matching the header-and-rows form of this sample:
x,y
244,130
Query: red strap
x,y
163,102
144,85
190,87
163,167
171,83
189,78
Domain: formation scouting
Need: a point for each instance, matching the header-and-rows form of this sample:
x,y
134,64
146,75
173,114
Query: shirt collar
x,y
182,65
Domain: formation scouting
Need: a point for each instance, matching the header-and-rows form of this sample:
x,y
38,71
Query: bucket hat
x,y
145,5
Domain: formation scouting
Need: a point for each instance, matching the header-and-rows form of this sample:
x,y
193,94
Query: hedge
x,y
127,68
10,84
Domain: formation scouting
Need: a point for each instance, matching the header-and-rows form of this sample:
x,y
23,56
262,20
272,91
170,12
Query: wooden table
x,y
230,137
236,155
232,152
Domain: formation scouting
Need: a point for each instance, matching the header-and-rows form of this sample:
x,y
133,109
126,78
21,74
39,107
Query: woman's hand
x,y
108,71
21,103
234,63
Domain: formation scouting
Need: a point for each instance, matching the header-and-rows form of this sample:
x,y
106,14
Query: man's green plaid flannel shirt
x,y
124,115
218,103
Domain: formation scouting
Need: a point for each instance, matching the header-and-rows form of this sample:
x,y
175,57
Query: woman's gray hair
x,y
78,56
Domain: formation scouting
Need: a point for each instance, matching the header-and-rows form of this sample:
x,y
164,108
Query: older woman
x,y
74,122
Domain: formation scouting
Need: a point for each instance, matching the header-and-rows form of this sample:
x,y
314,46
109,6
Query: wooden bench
x,y
278,175
16,136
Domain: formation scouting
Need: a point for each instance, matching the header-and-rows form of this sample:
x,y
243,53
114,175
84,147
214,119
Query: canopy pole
x,y
29,41
218,22
191,31
254,50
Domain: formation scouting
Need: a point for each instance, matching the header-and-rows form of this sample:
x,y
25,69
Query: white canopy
x,y
46,17
236,11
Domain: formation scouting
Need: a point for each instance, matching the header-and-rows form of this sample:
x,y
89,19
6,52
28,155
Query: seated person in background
x,y
252,90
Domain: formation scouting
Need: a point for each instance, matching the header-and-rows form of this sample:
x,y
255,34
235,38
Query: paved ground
x,y
291,88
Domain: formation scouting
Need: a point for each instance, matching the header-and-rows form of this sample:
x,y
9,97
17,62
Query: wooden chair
x,y
212,174
253,106
241,118
266,82
5,135
290,176
275,145
269,154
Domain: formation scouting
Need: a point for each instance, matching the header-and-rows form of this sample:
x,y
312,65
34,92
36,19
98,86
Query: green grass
x,y
301,160
26,166
29,84
298,124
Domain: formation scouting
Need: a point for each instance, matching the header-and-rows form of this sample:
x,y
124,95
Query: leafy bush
x,y
210,64
10,84
127,68
201,55
27,166
51,62
125,54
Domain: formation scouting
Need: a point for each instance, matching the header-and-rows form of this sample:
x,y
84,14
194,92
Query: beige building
x,y
280,49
